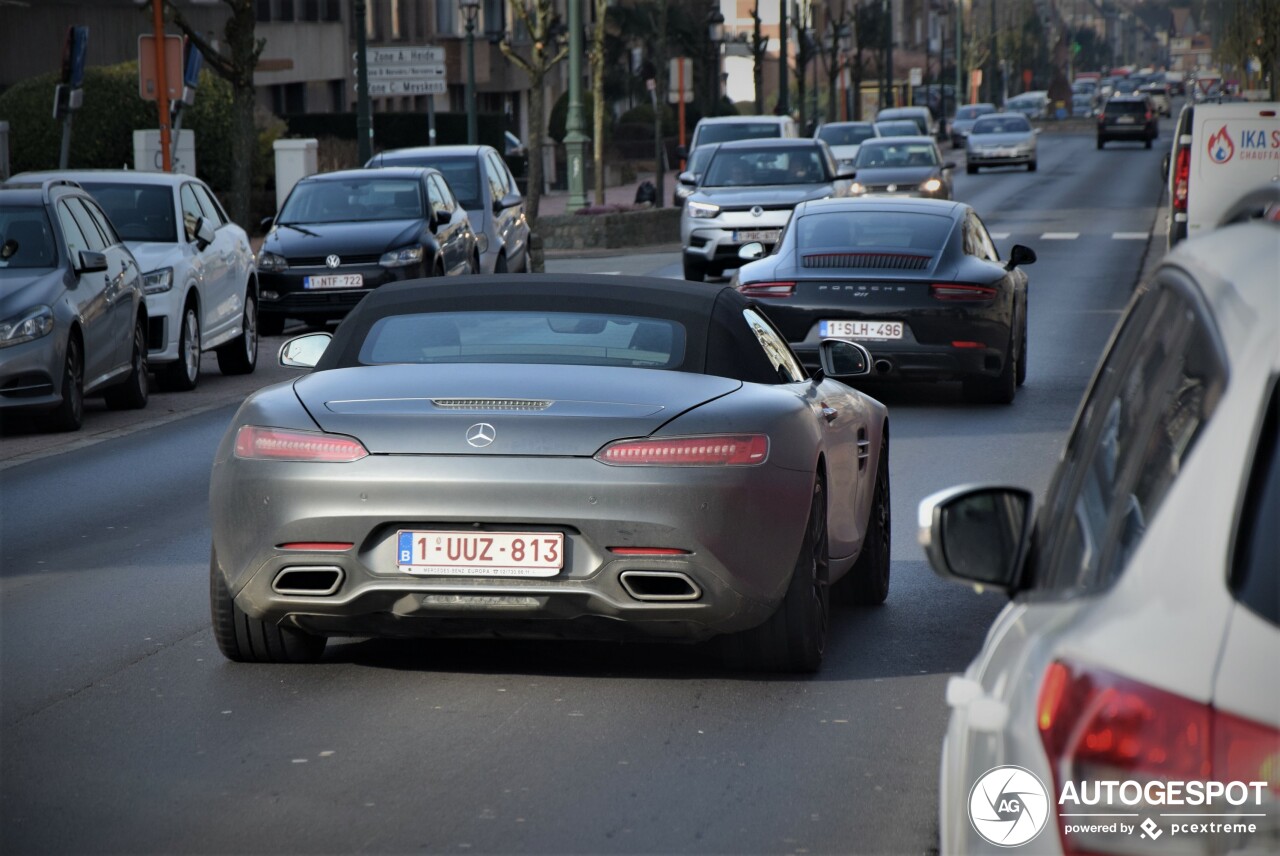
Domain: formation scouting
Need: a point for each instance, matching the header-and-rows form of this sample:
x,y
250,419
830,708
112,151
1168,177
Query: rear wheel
x,y
795,637
1101,142
500,266
131,393
184,373
1000,389
240,355
248,640
1021,368
69,414
971,169
1149,141
1031,167
694,271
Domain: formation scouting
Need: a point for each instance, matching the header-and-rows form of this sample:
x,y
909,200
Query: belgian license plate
x,y
860,329
480,554
342,280
1124,120
764,236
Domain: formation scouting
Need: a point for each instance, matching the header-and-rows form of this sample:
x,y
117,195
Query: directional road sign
x,y
382,88
412,70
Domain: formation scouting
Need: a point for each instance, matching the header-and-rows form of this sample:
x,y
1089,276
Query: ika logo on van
x,y
1220,146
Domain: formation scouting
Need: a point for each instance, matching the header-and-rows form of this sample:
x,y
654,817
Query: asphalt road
x,y
122,729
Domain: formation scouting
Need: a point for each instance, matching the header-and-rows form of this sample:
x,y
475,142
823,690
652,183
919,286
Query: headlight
x,y
401,258
702,209
857,188
157,281
270,262
933,185
32,324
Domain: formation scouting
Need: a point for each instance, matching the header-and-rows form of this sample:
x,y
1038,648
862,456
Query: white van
x,y
1220,153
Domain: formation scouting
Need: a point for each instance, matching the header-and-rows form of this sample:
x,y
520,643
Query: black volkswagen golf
x,y
340,234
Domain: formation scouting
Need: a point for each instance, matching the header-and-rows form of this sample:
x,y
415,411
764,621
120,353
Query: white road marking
x,y
1059,236
1130,236
1000,236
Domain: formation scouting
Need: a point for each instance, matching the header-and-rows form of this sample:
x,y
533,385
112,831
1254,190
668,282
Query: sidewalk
x,y
555,203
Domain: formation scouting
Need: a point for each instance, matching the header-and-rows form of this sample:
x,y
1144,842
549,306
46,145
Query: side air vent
x,y
522,404
880,261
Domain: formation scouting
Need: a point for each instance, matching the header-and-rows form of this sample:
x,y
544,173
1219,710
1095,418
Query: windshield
x,y
563,338
26,241
915,119
1001,125
973,112
897,128
845,135
353,199
700,158
878,229
897,155
140,212
462,175
723,132
754,167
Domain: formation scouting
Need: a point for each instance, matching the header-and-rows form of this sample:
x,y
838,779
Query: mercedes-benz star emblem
x,y
756,210
332,260
481,434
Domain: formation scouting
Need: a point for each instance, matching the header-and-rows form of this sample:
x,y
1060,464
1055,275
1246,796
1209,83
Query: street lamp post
x,y
575,138
715,34
364,117
470,9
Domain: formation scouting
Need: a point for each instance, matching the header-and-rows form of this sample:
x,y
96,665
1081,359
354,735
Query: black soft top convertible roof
x,y
719,342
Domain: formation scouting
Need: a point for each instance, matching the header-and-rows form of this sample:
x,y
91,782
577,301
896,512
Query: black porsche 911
x,y
917,281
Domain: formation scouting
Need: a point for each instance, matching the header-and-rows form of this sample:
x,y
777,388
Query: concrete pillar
x,y
295,160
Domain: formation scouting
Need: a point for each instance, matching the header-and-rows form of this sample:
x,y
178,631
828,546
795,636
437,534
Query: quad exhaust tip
x,y
659,585
310,580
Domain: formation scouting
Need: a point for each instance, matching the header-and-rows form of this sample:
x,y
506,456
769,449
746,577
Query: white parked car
x,y
198,271
1141,643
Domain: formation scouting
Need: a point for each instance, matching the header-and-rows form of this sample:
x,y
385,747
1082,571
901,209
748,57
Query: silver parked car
x,y
747,195
1001,139
487,190
198,269
72,317
579,456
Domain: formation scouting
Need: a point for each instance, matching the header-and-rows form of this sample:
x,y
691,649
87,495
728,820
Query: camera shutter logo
x,y
1008,806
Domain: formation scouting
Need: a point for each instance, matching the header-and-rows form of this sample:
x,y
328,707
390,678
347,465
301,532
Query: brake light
x,y
1102,117
962,343
718,450
277,444
767,289
1148,115
957,291
1181,178
1097,726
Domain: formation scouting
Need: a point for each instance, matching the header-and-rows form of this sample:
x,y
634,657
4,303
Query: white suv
x,y
199,277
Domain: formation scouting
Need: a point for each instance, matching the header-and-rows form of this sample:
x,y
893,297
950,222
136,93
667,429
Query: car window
x,y
1159,384
784,362
102,221
1255,575
442,201
140,212
845,135
211,211
983,247
76,241
565,338
897,154
872,229
26,240
191,211
1001,125
496,177
758,167
95,238
723,132
353,199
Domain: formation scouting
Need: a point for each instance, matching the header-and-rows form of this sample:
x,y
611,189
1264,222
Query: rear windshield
x,y
892,154
563,338
845,135
757,167
879,229
1003,125
353,199
973,112
898,128
914,118
26,241
725,131
462,175
140,212
1126,107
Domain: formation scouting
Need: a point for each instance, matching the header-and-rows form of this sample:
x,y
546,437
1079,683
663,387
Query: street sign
x,y
411,55
406,72
413,70
148,87
915,76
674,80
382,88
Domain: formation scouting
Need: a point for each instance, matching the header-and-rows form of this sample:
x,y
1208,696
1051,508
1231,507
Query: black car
x,y
917,281
1128,117
340,234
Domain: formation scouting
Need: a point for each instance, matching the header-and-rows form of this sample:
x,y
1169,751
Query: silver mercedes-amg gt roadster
x,y
551,456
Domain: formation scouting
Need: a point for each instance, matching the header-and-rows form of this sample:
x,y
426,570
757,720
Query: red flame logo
x,y
1220,146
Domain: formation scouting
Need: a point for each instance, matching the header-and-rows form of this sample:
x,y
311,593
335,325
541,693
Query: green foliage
x,y
558,121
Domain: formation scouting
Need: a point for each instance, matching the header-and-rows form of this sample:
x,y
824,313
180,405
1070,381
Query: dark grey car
x,y
72,316
901,166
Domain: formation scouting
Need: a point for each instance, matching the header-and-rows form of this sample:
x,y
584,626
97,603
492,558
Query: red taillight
x,y
648,551
961,343
720,450
1102,117
956,291
277,444
317,546
1181,178
767,289
1148,115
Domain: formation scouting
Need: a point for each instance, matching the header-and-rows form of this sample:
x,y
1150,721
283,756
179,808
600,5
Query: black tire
x,y
247,640
971,169
694,271
794,638
475,266
1021,365
1101,142
131,393
270,325
1031,167
867,583
69,414
500,266
1148,142
1000,389
240,355
184,373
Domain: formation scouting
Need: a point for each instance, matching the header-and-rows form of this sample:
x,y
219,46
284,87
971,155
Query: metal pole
x,y
959,42
64,156
364,121
784,85
472,134
162,86
575,138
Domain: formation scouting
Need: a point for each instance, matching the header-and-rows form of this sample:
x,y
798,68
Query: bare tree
x,y
759,48
540,20
833,58
601,9
1245,29
235,64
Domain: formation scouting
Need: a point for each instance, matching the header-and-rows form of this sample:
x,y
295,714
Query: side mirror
x,y
949,165
91,262
978,535
1036,131
752,251
204,233
1020,255
303,352
686,177
511,200
843,359
267,222
846,172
